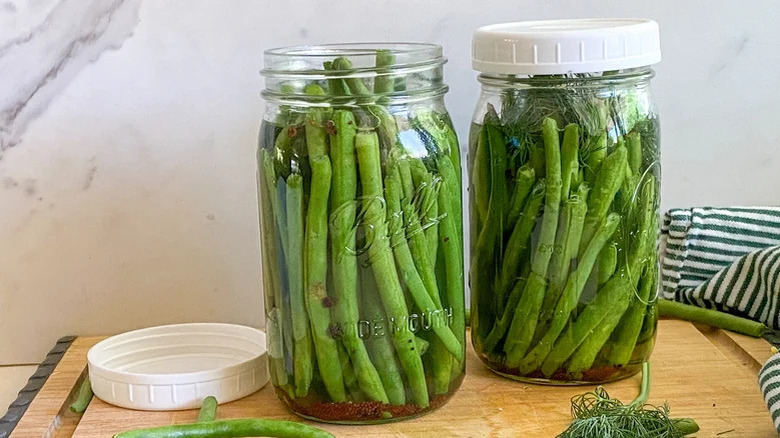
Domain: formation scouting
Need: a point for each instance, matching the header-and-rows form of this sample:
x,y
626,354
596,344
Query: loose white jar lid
x,y
176,366
565,46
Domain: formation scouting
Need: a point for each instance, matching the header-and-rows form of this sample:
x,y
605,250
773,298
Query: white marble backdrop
x,y
128,129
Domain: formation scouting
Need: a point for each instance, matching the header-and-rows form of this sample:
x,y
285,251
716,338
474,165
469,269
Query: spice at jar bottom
x,y
361,224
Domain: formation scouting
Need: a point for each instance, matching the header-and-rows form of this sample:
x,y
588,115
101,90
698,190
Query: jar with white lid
x,y
564,179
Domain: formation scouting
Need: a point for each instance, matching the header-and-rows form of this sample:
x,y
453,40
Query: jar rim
x,y
579,79
284,61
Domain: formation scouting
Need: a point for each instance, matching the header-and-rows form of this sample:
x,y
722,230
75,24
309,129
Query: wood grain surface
x,y
703,373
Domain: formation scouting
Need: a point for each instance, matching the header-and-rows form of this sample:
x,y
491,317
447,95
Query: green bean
x,y
567,242
634,145
336,86
302,355
83,397
500,327
431,219
610,299
279,322
453,151
597,150
439,128
626,335
422,345
519,241
569,160
379,346
585,355
537,161
383,82
619,349
356,85
343,259
382,263
711,317
607,263
424,198
558,269
483,267
524,183
526,316
570,296
450,232
348,372
606,185
317,299
601,315
481,176
269,173
579,212
451,212
441,366
407,268
316,136
245,427
384,121
454,154
405,172
275,346
208,410
419,244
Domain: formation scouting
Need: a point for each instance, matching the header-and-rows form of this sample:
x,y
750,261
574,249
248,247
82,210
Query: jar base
x,y
363,413
612,374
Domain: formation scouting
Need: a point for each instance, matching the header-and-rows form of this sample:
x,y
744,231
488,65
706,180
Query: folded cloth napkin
x,y
769,381
728,259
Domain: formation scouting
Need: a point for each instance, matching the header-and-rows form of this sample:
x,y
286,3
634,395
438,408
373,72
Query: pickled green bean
x,y
382,263
407,268
524,183
344,260
526,317
570,296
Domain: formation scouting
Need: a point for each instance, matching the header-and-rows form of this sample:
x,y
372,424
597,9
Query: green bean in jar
x,y
564,178
361,220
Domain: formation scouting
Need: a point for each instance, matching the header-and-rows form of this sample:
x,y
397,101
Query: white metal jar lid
x,y
565,46
177,366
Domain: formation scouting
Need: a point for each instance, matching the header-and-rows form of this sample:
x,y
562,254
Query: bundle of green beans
x,y
564,205
361,235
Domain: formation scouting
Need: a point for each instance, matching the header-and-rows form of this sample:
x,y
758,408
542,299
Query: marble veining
x,y
41,62
130,200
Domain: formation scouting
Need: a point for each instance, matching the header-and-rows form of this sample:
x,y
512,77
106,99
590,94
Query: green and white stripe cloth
x,y
769,381
728,259
724,258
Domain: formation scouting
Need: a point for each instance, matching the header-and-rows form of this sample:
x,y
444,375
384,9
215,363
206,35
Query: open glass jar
x,y
361,231
564,180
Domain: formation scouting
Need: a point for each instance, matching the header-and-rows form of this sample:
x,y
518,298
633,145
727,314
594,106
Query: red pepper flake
x,y
328,302
367,411
594,375
335,331
330,127
293,131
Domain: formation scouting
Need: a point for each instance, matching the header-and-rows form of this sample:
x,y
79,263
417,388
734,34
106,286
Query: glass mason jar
x,y
361,231
564,177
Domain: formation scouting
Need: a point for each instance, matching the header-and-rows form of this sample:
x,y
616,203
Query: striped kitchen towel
x,y
724,258
769,380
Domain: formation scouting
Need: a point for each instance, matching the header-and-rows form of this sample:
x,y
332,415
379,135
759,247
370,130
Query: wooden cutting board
x,y
706,374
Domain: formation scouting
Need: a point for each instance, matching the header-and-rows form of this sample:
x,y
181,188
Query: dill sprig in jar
x,y
564,178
